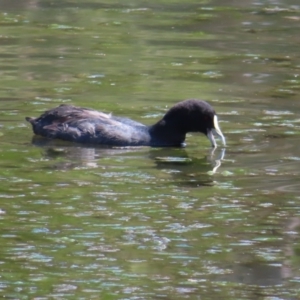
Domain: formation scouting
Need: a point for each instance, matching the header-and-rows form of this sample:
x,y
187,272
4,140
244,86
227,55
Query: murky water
x,y
150,223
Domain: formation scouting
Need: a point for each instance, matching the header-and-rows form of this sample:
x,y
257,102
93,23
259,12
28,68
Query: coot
x,y
89,126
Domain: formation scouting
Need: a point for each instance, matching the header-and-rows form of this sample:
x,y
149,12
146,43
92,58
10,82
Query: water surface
x,y
151,223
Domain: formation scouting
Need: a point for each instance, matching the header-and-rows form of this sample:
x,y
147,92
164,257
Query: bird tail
x,y
30,120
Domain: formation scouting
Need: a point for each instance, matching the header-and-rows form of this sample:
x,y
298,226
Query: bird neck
x,y
166,133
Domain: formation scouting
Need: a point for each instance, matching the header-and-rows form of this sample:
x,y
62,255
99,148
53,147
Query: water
x,y
151,223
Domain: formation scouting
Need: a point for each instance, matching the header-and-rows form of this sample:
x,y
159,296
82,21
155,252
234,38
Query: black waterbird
x,y
83,125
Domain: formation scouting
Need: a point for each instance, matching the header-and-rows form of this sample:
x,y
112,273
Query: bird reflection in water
x,y
188,170
183,168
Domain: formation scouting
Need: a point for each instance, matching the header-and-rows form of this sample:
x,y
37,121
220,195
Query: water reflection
x,y
256,273
184,169
251,271
187,170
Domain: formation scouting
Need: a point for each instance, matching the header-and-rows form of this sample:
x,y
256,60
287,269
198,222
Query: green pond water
x,y
82,222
